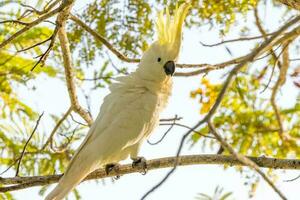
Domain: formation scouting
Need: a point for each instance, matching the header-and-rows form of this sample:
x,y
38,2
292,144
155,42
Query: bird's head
x,y
159,60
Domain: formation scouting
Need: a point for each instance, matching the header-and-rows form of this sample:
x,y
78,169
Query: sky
x,y
51,97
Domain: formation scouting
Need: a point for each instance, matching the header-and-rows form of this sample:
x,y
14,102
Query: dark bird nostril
x,y
169,67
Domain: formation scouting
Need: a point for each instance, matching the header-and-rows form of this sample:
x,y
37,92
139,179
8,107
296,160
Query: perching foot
x,y
140,162
112,167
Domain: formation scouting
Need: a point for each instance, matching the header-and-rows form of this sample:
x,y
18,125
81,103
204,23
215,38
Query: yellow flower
x,y
205,108
204,81
199,91
193,94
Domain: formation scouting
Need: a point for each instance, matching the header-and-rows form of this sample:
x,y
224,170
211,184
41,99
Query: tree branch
x,y
50,139
186,127
45,55
19,183
265,36
276,62
293,179
280,81
164,135
175,118
97,36
291,3
283,67
293,34
205,68
235,40
103,40
14,22
68,66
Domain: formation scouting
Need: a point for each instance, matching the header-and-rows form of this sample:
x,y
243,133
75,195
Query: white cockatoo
x,y
131,111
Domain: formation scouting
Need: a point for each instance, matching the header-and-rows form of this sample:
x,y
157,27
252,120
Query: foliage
x,y
248,121
218,195
6,196
245,118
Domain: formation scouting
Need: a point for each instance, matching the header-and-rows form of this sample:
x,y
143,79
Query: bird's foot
x,y
140,162
112,167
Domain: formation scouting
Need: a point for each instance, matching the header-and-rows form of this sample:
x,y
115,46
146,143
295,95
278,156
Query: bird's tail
x,y
58,193
68,182
64,187
82,163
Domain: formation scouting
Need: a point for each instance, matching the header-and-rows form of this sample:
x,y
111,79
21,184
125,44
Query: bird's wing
x,y
121,123
122,114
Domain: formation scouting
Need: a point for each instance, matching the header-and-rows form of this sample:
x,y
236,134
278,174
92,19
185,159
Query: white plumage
x,y
131,111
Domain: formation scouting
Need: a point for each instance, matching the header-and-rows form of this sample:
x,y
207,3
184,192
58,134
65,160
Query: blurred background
x,y
255,118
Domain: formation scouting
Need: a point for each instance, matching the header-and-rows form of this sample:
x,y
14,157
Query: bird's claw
x,y
140,162
112,167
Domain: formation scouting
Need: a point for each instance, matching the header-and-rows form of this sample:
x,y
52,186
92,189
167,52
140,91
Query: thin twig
x,y
27,142
168,130
294,33
31,9
165,134
294,59
273,69
293,179
14,22
114,66
235,40
35,45
58,124
175,118
95,79
7,60
50,5
44,56
265,36
11,165
74,120
187,127
268,53
62,148
163,137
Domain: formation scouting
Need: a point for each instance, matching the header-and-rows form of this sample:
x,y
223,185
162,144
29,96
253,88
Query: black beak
x,y
169,68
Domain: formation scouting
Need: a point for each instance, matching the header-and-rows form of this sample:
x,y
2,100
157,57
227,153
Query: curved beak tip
x,y
169,68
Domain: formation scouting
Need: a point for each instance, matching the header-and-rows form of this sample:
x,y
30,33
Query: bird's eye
x,y
158,59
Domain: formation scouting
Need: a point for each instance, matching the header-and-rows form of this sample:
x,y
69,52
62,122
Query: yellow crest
x,y
169,28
